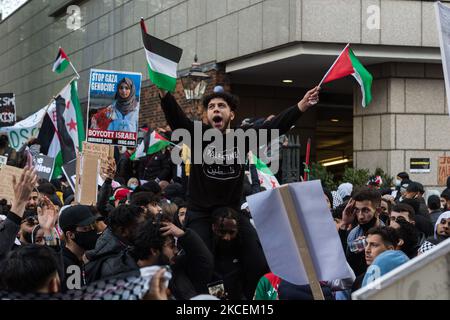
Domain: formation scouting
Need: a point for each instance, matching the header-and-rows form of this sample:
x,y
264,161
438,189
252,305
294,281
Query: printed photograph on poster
x,y
7,109
113,107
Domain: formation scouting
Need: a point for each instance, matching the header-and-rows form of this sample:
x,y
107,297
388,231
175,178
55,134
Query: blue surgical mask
x,y
133,186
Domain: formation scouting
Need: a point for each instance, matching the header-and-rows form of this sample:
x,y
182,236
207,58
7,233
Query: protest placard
x,y
299,235
443,170
102,152
7,109
113,107
69,170
6,181
88,169
20,133
43,166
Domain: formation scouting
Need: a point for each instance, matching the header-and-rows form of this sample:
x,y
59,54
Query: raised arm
x,y
286,119
175,116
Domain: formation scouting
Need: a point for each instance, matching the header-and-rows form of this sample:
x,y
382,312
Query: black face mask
x,y
27,237
86,240
369,224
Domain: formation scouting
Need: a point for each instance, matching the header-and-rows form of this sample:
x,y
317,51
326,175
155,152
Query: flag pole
x,y
335,61
78,76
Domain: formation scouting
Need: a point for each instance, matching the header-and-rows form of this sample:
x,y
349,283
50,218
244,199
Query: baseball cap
x,y
75,216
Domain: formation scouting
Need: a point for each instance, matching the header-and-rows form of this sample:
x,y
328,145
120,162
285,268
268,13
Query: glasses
x,y
364,210
395,219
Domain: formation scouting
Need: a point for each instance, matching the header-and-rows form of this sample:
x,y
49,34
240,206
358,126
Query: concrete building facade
x,y
251,46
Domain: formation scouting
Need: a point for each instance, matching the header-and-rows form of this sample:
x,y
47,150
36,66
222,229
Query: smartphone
x,y
217,289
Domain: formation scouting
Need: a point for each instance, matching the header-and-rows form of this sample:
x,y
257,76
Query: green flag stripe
x,y
79,115
161,80
364,76
57,169
261,166
157,146
62,66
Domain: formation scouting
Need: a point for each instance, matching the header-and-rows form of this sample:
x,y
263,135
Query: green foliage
x,y
320,172
357,177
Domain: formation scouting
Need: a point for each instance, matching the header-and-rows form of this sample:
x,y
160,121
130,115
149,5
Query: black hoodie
x,y
217,185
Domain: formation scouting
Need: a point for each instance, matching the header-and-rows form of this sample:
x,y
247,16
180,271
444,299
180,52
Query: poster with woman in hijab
x,y
113,107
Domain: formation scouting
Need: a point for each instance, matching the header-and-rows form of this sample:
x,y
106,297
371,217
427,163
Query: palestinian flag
x,y
266,177
162,60
347,64
61,61
156,143
62,130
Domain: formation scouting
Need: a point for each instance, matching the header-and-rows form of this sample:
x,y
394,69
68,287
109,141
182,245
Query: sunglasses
x,y
395,219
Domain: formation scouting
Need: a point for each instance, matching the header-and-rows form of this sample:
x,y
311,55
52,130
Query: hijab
x,y
126,105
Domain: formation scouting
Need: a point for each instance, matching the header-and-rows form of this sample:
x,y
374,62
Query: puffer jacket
x,y
109,258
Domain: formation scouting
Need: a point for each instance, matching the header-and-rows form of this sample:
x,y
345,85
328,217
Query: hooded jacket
x,y
385,262
110,257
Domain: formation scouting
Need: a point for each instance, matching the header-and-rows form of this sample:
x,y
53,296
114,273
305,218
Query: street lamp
x,y
194,85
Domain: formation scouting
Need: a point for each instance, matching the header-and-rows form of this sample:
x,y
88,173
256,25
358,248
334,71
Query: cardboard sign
x,y
89,167
70,172
44,166
443,170
7,109
419,165
425,277
113,107
6,181
298,234
101,152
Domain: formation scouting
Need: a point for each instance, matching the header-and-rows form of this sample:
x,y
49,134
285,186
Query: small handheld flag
x,y
347,64
61,63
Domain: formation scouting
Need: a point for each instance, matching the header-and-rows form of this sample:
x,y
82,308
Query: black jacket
x,y
125,167
8,233
69,260
193,267
105,192
217,185
157,165
109,258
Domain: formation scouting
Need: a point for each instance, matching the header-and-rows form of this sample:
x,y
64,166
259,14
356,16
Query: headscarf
x,y
444,215
345,190
337,200
126,105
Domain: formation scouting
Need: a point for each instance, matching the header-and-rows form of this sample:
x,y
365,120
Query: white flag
x,y
443,23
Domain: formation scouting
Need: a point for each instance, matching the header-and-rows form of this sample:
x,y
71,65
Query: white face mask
x,y
397,183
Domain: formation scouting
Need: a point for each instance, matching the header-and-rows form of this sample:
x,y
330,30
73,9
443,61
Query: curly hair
x,y
148,237
231,100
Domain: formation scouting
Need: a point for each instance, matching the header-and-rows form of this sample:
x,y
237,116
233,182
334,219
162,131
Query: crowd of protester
x,y
51,246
